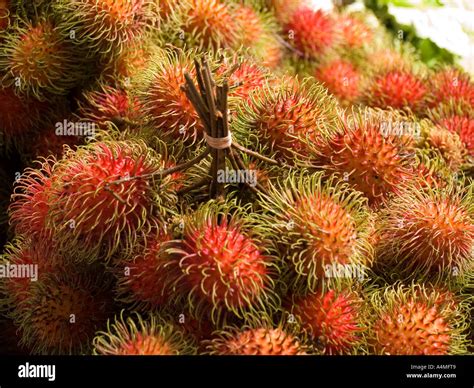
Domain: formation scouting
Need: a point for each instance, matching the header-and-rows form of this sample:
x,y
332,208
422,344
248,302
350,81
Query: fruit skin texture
x,y
332,318
427,232
90,213
204,25
39,61
415,320
342,79
315,225
448,144
135,336
371,157
463,125
311,32
145,280
19,117
159,92
257,342
281,117
451,85
225,268
61,312
28,211
107,104
397,89
105,27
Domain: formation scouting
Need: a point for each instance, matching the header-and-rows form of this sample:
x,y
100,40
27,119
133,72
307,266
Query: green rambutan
x,y
62,312
224,263
105,27
316,226
312,33
281,117
135,336
262,341
429,231
39,61
333,319
414,320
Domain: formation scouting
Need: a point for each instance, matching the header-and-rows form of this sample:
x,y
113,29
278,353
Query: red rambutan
x,y
354,31
316,226
62,312
257,342
39,60
135,336
105,27
397,89
224,265
341,78
282,116
311,32
368,153
427,231
332,318
451,85
415,321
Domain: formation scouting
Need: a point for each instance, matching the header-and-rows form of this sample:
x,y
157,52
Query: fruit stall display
x,y
230,177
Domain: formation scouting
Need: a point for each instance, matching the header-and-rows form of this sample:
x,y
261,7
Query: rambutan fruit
x,y
5,14
243,80
397,89
160,93
145,280
355,33
449,146
426,232
342,79
413,320
106,104
135,336
280,117
225,266
316,225
30,204
61,313
257,32
451,85
105,196
119,70
19,117
30,262
105,27
369,151
312,33
260,341
203,24
333,319
284,9
458,119
39,61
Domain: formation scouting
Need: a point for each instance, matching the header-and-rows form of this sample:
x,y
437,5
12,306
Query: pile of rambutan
x,y
319,202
